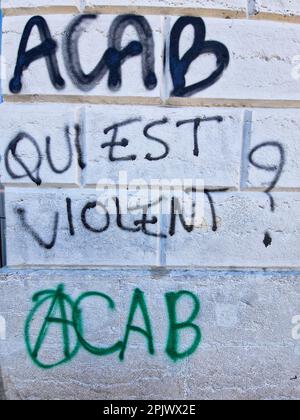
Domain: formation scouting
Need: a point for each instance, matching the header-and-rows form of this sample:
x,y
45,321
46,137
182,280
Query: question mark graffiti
x,y
277,169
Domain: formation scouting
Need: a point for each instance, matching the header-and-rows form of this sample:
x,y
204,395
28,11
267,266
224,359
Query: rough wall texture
x,y
247,348
151,302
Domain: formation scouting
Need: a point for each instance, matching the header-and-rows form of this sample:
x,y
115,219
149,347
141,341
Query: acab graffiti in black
x,y
116,55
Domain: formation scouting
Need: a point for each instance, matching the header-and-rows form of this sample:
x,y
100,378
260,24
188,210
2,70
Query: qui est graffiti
x,y
57,313
110,66
112,61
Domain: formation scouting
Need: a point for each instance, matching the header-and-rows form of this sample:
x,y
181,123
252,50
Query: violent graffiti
x,y
145,222
70,153
196,124
47,245
116,56
139,223
57,309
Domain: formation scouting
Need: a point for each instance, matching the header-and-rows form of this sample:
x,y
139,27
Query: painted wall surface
x,y
115,290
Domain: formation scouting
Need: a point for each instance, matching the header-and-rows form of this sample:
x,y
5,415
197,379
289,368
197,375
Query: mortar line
x,y
47,186
155,101
3,229
251,8
145,10
45,10
82,99
235,103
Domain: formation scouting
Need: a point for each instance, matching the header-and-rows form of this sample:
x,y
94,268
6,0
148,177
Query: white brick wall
x,y
241,262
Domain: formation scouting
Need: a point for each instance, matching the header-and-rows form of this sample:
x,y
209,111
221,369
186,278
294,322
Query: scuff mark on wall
x,y
2,390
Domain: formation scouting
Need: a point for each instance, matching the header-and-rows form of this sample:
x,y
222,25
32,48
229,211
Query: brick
x,y
34,123
243,219
281,127
218,163
260,65
242,361
281,7
36,79
113,247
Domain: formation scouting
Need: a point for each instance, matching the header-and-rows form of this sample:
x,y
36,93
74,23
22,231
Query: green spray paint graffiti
x,y
57,309
57,300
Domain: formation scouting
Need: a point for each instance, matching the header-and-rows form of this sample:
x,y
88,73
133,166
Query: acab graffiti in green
x,y
57,309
